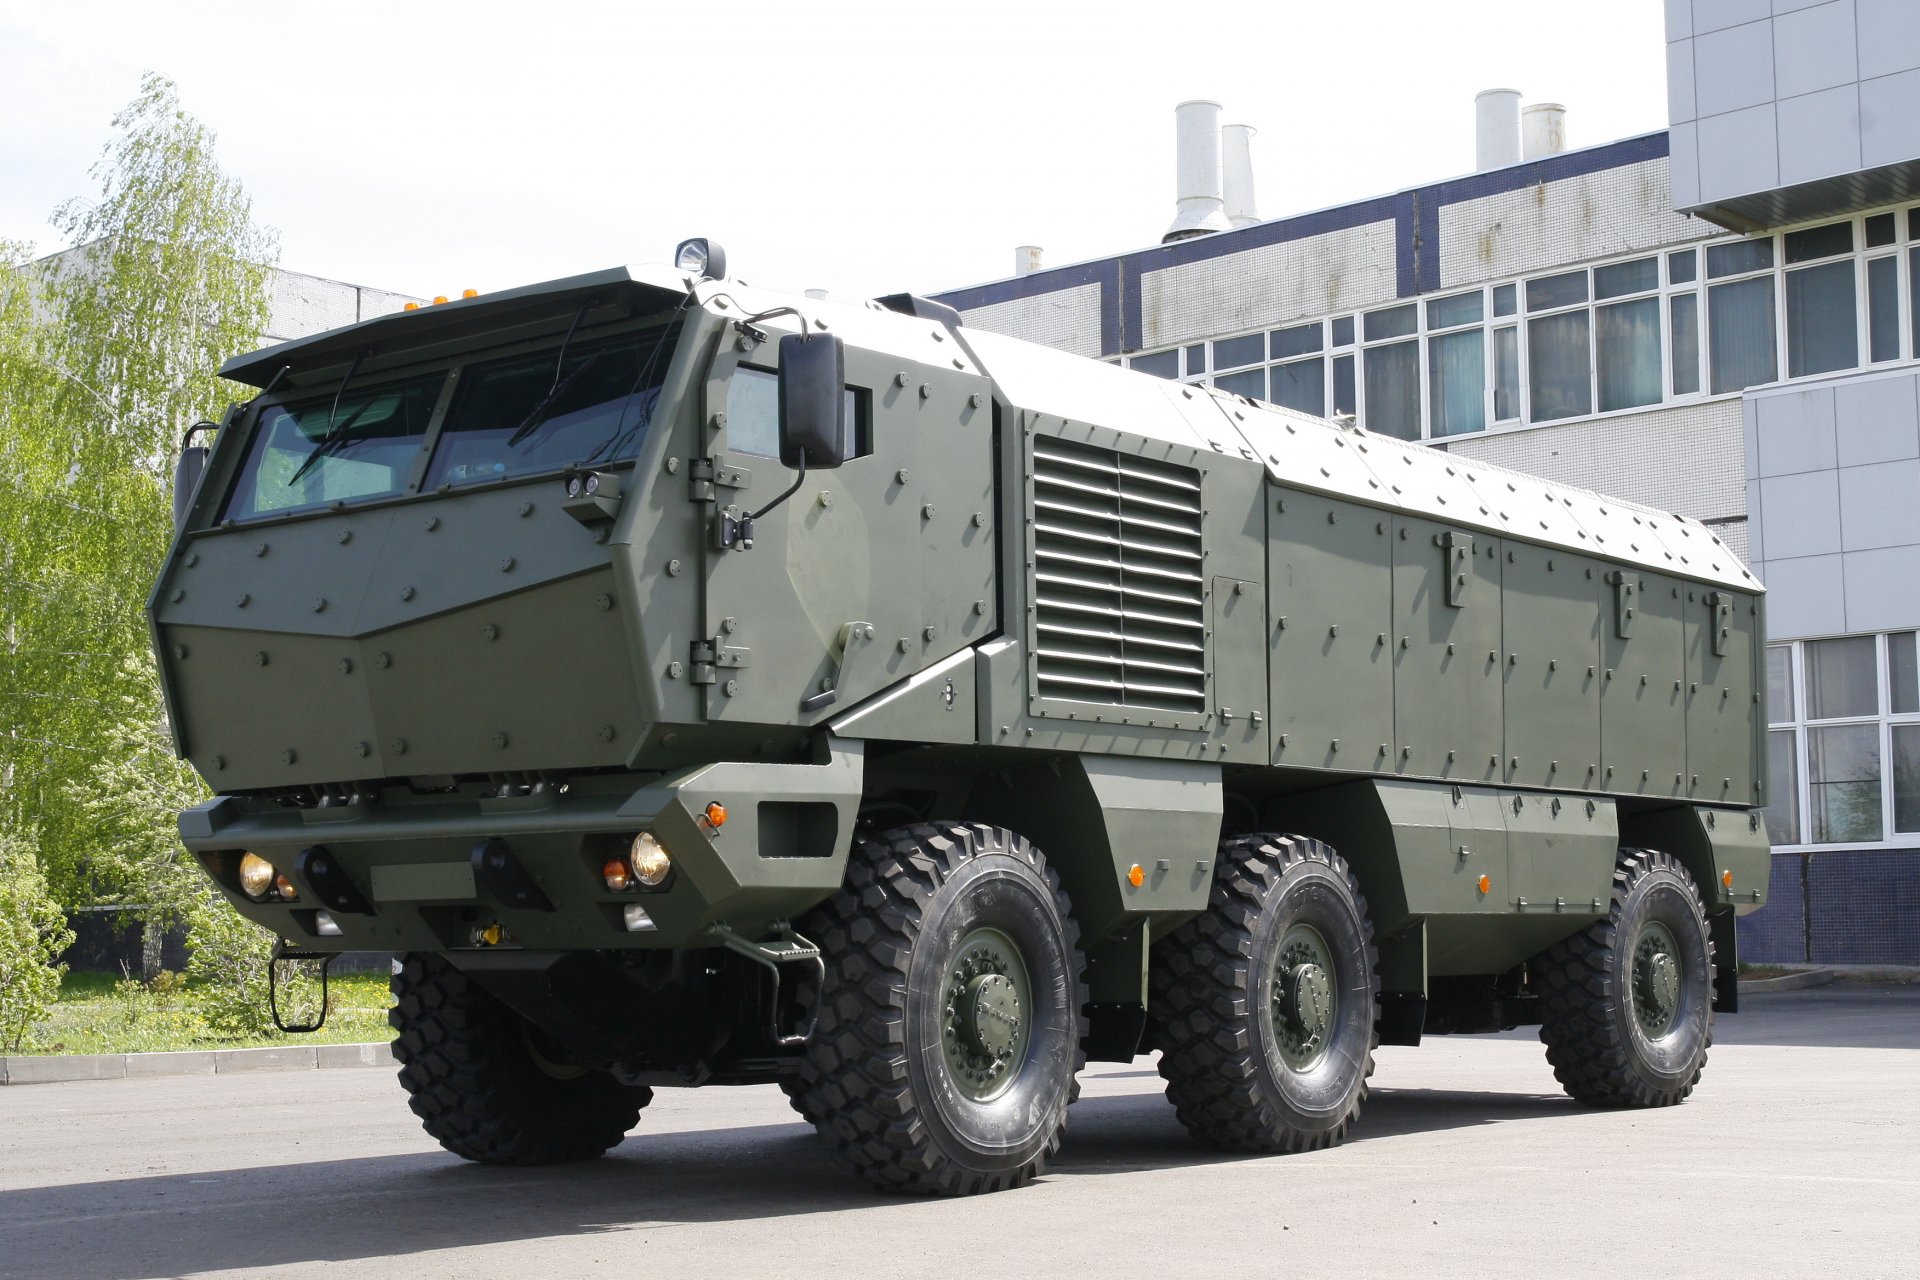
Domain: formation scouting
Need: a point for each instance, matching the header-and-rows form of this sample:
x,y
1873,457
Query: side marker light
x,y
1136,876
1486,883
716,815
1726,879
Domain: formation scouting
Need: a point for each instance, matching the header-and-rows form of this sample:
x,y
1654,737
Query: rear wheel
x,y
487,1086
950,1018
1263,1008
1627,1003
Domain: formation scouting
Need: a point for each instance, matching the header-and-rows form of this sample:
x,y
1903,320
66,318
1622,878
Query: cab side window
x,y
753,414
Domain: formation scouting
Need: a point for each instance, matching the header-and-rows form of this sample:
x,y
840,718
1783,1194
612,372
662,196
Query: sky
x,y
861,146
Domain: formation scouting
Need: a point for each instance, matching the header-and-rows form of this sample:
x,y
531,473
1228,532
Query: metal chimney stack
x,y
1200,209
1237,174
1026,259
1543,130
1496,132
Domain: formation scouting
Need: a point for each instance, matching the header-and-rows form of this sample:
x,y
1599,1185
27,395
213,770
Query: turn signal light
x,y
617,874
284,887
716,815
1136,876
1486,883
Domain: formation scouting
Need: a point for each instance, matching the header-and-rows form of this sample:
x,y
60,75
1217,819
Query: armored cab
x,y
692,683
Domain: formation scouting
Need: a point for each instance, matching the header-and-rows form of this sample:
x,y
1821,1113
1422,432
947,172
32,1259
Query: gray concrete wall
x,y
1833,503
1772,93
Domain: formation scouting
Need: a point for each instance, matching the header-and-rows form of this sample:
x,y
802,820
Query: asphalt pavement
x,y
1799,1155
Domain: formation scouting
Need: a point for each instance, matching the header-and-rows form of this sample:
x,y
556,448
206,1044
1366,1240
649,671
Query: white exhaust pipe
x,y
1496,129
1543,130
1026,259
1200,210
1236,173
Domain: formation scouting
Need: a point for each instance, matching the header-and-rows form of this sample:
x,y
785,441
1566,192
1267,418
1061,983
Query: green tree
x,y
107,352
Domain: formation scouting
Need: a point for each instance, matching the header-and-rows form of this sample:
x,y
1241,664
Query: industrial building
x,y
1721,319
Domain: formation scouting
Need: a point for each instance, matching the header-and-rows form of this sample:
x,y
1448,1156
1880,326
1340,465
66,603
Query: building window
x,y
1843,740
1612,337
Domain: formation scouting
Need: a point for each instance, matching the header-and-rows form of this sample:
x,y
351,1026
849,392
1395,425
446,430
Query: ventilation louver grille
x,y
1120,613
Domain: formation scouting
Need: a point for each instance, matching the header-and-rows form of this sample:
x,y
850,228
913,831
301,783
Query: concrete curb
x,y
1787,982
53,1068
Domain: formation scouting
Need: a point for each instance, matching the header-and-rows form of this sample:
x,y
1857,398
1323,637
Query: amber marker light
x,y
439,298
1136,876
715,814
618,876
1486,883
1726,879
411,306
284,887
469,293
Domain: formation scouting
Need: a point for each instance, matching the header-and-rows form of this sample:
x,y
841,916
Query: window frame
x,y
1883,717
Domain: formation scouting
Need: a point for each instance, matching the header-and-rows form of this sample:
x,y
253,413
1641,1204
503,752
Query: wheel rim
x,y
1305,1004
1657,980
987,1020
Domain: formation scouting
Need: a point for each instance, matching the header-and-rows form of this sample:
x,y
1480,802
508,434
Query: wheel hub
x,y
1312,998
990,1015
1303,1002
984,1026
1656,980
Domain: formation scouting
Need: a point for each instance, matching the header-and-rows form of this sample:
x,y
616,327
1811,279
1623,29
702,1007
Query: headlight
x,y
256,875
649,861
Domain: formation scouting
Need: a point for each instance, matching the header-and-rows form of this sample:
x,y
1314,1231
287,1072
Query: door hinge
x,y
710,657
1626,593
1459,550
1721,605
705,476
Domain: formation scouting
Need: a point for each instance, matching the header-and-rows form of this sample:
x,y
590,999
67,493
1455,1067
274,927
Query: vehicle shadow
x,y
407,1204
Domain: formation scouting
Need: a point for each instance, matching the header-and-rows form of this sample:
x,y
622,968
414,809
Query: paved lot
x,y
1799,1156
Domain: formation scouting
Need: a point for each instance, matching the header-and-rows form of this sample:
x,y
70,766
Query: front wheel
x,y
950,1018
1264,1006
1627,1003
487,1086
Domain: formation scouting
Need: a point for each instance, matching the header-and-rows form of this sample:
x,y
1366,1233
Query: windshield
x,y
581,403
539,412
298,461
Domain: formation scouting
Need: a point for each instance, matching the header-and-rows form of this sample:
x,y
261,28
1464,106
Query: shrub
x,y
229,956
33,932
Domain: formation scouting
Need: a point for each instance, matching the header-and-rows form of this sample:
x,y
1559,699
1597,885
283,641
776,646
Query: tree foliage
x,y
107,352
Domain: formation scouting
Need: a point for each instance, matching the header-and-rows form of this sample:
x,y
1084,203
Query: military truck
x,y
691,683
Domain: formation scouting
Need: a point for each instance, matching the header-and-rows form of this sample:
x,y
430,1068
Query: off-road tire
x,y
474,1079
1595,1042
875,1079
1212,996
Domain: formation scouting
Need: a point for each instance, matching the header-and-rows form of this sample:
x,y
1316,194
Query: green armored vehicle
x,y
696,684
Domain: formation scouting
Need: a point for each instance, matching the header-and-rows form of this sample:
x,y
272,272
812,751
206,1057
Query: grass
x,y
100,1013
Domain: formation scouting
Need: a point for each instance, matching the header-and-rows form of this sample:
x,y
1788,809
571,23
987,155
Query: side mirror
x,y
813,396
187,470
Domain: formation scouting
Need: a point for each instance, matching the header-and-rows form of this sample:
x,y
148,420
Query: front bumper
x,y
414,866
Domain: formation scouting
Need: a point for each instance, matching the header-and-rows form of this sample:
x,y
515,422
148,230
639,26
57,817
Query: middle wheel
x,y
1263,1007
950,1019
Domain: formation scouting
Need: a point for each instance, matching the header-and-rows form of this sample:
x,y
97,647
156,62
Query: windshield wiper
x,y
532,420
335,433
538,414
